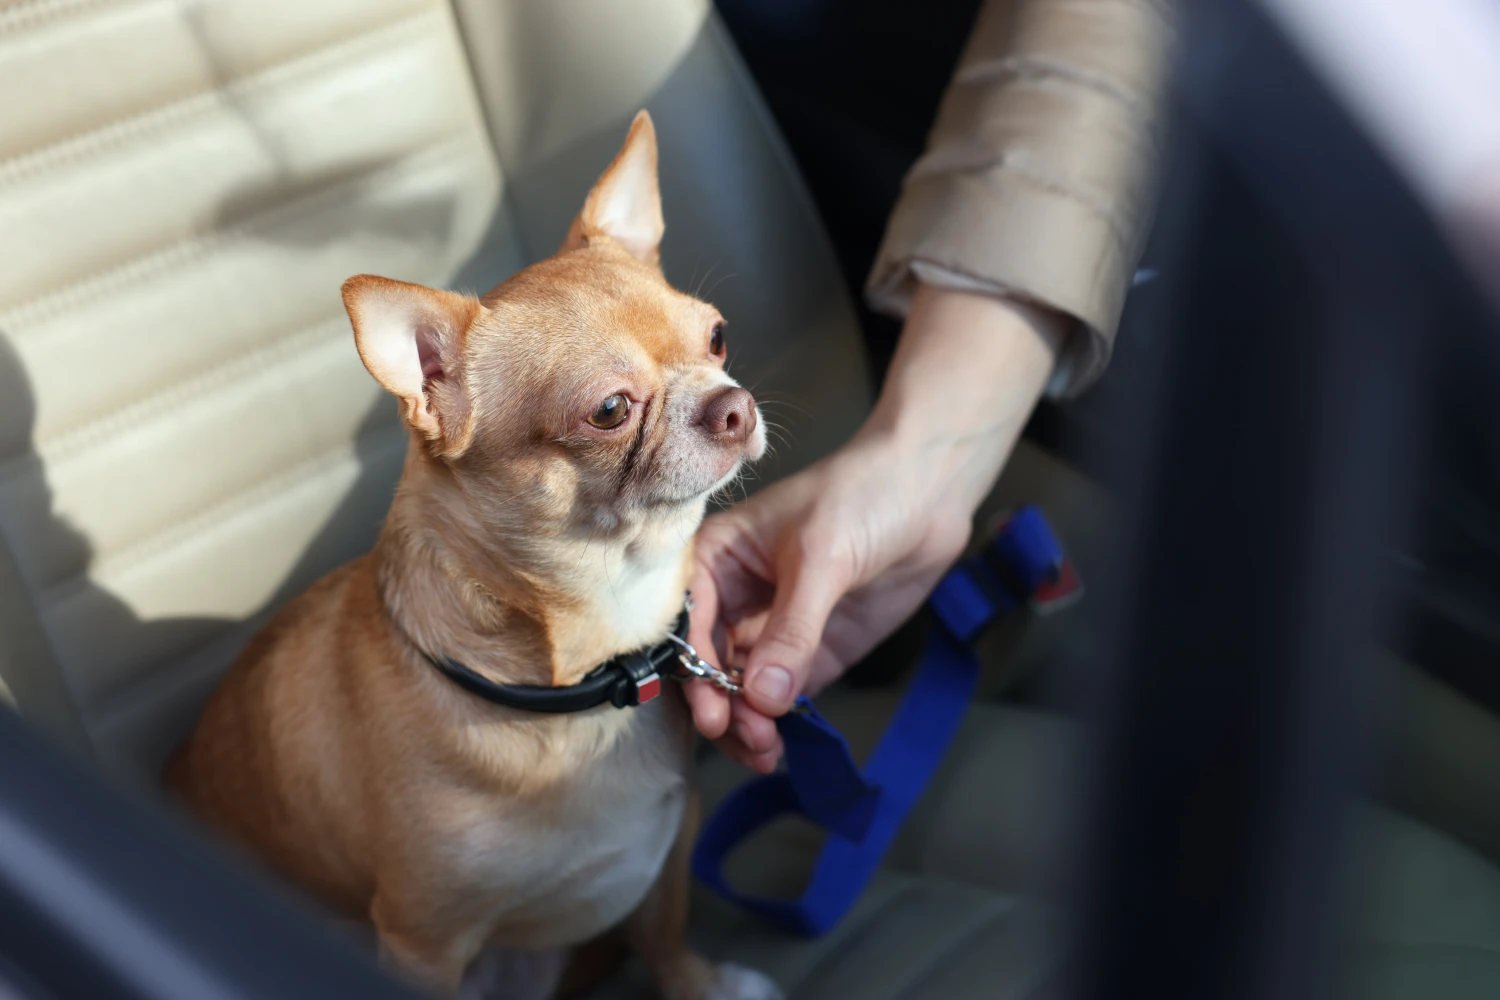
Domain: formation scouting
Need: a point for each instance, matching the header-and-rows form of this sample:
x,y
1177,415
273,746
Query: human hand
x,y
805,578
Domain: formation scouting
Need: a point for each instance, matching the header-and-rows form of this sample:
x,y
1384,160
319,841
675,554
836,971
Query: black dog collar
x,y
628,679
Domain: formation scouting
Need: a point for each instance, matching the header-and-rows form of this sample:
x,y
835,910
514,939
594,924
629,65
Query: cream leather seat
x,y
187,437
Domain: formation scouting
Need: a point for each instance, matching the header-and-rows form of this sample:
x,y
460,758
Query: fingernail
x,y
773,684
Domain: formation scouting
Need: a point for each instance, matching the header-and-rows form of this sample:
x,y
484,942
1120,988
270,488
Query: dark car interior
x,y
1261,758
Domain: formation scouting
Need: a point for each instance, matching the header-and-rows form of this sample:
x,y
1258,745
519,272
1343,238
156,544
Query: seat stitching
x,y
94,140
36,12
163,542
50,303
70,444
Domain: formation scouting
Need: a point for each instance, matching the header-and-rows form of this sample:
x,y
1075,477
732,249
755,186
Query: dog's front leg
x,y
424,951
509,974
657,930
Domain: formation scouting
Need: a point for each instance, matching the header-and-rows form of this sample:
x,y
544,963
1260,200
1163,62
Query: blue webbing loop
x,y
862,810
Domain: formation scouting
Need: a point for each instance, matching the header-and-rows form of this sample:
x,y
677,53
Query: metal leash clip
x,y
699,667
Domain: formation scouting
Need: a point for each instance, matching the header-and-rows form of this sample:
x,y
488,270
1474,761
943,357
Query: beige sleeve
x,y
1037,178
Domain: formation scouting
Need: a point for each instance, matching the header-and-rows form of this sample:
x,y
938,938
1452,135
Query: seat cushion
x,y
962,906
1424,918
187,436
909,937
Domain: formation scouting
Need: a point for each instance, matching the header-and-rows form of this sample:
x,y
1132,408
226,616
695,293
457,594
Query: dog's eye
x,y
611,413
716,340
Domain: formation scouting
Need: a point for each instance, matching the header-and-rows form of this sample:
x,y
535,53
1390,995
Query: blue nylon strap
x,y
862,810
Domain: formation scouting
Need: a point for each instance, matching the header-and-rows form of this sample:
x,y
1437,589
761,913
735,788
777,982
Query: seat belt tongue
x,y
863,808
1019,561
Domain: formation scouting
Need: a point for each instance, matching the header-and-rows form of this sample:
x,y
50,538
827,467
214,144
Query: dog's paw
x,y
736,982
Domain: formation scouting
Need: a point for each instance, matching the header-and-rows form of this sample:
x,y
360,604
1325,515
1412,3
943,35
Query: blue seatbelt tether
x,y
863,810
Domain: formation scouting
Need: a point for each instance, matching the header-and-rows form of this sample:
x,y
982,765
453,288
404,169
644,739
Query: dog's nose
x,y
729,414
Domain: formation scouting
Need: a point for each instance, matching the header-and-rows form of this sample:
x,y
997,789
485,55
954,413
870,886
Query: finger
x,y
705,612
754,730
782,658
710,706
727,557
745,633
764,762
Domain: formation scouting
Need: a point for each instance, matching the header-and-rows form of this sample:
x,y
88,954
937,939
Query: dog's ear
x,y
625,205
411,338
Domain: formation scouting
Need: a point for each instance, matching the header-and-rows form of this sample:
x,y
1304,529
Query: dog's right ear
x,y
411,338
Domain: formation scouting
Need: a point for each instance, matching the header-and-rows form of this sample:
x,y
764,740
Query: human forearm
x,y
966,376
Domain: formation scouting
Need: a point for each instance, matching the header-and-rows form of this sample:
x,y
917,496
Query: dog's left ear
x,y
412,338
625,205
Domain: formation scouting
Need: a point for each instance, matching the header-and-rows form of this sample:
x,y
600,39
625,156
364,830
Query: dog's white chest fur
x,y
567,873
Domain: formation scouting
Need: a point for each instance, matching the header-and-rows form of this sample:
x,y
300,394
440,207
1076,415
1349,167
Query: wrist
x,y
966,376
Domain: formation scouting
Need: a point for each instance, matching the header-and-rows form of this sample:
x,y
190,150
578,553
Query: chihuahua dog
x,y
566,431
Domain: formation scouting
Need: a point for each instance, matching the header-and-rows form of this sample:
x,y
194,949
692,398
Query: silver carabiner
x,y
699,667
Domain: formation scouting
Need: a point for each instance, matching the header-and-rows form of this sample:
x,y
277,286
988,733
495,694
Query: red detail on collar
x,y
647,689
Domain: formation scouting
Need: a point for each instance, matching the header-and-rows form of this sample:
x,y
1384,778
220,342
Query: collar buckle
x,y
638,683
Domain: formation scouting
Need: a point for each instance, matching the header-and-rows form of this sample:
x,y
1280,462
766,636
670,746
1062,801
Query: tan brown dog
x,y
566,432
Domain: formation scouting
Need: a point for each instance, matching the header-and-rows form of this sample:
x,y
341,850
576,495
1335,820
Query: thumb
x,y
783,655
